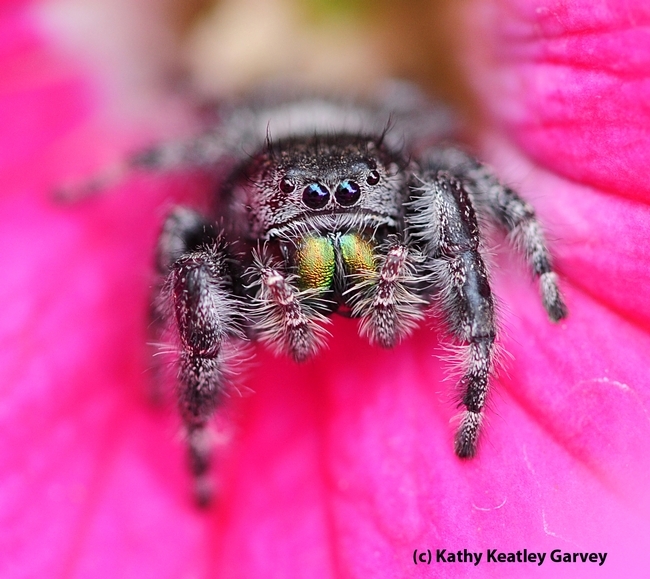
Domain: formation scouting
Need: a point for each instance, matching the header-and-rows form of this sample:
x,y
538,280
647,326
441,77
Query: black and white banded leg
x,y
283,319
444,219
386,301
202,315
508,210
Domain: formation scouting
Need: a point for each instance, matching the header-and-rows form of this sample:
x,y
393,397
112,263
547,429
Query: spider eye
x,y
315,196
348,193
373,177
287,185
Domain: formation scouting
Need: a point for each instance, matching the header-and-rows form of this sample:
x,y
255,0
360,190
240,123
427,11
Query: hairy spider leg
x,y
201,151
183,229
197,302
281,316
509,211
386,301
441,215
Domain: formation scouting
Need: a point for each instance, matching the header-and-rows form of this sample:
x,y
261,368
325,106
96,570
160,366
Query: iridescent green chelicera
x,y
358,254
316,259
316,263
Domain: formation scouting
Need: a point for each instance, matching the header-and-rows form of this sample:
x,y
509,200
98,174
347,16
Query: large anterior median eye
x,y
348,193
315,196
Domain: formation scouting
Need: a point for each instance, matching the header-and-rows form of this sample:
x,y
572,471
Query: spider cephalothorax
x,y
333,214
312,182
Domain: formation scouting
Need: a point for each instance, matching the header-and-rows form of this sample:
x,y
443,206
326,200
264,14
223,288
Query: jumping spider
x,y
323,206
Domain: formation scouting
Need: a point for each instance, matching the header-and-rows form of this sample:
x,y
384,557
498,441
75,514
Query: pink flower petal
x,y
570,83
343,466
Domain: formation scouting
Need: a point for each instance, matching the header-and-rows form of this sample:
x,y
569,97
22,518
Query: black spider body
x,y
324,207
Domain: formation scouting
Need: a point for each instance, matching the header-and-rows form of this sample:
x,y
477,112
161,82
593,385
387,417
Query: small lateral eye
x,y
373,177
348,193
315,196
287,185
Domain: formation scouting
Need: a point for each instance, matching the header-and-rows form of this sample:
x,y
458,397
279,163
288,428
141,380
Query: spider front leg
x,y
202,314
508,210
442,217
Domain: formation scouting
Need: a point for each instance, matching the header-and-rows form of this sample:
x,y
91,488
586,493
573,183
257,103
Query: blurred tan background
x,y
226,45
145,49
